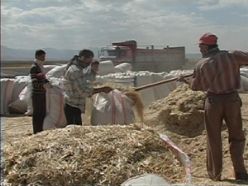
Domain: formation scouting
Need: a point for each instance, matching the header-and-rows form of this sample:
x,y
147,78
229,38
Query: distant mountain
x,y
52,54
57,54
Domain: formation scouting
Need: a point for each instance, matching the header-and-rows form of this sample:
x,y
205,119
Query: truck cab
x,y
117,54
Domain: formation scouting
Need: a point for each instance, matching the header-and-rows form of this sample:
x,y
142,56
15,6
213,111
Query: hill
x,y
27,54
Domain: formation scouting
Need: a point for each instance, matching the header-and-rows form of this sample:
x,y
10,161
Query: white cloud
x,y
217,4
80,23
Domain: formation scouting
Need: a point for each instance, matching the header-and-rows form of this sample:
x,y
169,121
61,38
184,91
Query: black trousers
x,y
73,115
39,111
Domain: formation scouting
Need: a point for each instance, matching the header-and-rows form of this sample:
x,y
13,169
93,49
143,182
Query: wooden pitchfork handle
x,y
159,83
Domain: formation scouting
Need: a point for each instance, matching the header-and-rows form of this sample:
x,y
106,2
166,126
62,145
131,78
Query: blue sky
x,y
77,24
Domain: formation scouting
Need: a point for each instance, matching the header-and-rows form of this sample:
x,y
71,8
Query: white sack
x,y
55,117
106,67
163,90
48,67
146,180
18,106
26,99
112,108
19,85
123,67
56,72
6,94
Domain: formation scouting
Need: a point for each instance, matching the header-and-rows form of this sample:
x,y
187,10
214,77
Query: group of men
x,y
78,83
217,74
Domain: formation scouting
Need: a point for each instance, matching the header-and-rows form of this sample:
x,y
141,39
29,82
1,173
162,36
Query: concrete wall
x,y
159,60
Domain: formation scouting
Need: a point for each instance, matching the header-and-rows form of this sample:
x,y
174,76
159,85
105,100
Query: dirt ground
x,y
16,127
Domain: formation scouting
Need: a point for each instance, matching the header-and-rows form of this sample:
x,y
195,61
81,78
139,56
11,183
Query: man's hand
x,y
107,89
182,79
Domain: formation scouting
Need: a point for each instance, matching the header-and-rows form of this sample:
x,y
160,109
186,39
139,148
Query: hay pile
x,y
88,155
182,112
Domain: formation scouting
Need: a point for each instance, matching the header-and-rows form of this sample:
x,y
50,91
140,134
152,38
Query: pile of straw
x,y
102,155
182,112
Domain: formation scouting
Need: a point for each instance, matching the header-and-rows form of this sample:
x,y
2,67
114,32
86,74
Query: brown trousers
x,y
218,108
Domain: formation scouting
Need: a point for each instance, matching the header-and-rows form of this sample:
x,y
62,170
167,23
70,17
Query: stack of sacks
x,y
21,95
123,67
55,117
125,79
140,78
162,90
144,78
106,67
130,79
19,99
177,73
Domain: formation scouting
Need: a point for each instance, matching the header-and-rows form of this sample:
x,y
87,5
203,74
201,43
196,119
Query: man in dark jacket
x,y
39,84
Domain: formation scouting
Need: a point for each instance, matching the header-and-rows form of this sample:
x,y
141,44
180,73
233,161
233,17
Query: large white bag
x,y
106,67
56,72
21,95
146,180
55,117
26,99
123,67
20,83
112,108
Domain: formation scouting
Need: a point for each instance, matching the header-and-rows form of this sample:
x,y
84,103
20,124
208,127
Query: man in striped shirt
x,y
218,74
39,85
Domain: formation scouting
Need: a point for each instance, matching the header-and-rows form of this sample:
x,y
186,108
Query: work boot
x,y
243,176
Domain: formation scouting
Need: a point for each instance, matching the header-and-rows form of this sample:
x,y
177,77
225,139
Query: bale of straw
x,y
102,155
